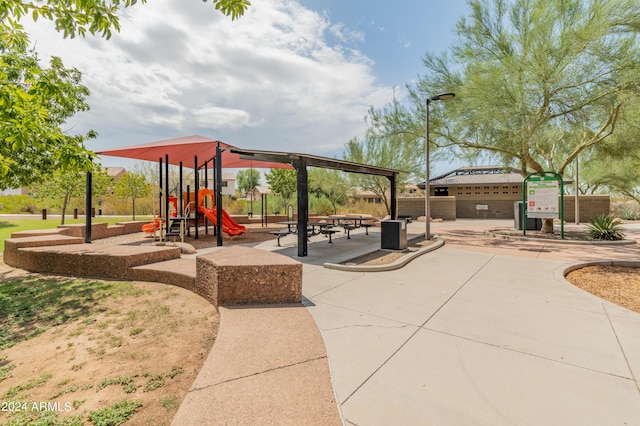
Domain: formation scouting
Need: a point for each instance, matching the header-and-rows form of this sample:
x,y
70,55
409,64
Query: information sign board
x,y
542,197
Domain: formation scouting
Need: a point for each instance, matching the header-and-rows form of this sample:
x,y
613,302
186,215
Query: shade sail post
x,y
160,187
206,186
218,192
394,196
180,205
166,192
88,195
196,187
303,205
188,202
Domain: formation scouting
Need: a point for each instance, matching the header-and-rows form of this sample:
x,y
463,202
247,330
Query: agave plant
x,y
605,227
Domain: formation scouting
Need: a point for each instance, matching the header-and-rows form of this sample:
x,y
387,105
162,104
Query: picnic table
x,y
292,226
348,223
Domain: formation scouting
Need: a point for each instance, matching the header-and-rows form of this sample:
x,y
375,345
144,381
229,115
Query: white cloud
x,y
269,80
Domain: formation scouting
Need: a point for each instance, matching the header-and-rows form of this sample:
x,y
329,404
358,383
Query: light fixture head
x,y
441,97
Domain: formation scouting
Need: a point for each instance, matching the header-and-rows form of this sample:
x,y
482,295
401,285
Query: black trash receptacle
x,y
533,223
394,235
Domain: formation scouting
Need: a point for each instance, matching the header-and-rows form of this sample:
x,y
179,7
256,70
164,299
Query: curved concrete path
x,y
482,331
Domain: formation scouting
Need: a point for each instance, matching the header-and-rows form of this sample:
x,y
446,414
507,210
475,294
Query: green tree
x,y
62,186
246,178
283,182
35,101
34,104
395,151
331,184
133,185
537,81
79,17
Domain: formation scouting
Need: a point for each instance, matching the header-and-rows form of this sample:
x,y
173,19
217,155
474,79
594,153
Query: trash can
x,y
394,234
533,223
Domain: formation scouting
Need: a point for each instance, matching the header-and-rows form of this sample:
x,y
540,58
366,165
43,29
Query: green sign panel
x,y
542,197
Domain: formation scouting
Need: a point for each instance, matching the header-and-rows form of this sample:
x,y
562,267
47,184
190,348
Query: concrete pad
x,y
267,366
250,340
626,326
444,380
294,395
557,332
358,344
410,297
317,280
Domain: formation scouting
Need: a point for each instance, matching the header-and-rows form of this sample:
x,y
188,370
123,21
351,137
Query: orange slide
x,y
229,226
152,226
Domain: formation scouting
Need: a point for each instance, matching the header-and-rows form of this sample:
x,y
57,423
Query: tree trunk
x,y
133,208
547,226
65,203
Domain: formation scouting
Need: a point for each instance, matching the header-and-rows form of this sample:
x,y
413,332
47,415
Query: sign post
x,y
540,198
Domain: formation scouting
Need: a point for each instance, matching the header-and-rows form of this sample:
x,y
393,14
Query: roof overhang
x,y
313,161
184,150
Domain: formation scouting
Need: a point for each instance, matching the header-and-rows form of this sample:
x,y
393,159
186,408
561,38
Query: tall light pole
x,y
427,189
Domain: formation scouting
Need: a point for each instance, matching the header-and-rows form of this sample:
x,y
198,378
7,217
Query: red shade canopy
x,y
184,150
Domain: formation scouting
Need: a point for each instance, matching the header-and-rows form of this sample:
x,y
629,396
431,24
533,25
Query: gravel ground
x,y
617,284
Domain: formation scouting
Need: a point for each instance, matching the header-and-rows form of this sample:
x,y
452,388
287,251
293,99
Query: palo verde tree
x,y
400,151
537,82
35,101
331,184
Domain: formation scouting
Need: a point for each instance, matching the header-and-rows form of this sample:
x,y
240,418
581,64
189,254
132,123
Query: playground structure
x,y
179,225
205,153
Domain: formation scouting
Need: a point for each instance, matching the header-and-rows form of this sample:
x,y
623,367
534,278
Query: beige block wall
x,y
590,206
441,207
485,209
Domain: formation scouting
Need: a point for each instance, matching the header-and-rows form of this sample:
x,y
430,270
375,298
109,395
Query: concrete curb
x,y
560,274
397,264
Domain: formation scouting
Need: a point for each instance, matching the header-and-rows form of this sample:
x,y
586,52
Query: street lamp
x,y
427,189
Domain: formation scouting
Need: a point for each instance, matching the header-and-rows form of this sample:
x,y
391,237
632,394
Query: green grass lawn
x,y
7,227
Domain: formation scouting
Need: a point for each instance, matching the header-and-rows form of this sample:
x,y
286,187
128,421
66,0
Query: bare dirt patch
x,y
109,342
617,284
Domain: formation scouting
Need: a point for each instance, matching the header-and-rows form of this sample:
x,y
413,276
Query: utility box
x,y
393,234
533,223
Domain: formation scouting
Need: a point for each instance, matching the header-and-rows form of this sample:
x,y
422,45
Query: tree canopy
x,y
400,151
35,101
34,104
331,184
246,179
133,185
62,186
283,182
537,82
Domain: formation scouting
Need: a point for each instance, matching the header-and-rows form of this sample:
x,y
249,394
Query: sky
x,y
290,75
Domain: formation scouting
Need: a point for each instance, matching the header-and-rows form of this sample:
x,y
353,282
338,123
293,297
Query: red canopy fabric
x,y
185,149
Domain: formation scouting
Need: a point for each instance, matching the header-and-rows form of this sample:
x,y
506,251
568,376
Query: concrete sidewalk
x,y
482,333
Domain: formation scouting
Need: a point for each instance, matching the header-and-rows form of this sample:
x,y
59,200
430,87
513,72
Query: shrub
x,y
627,213
605,227
115,415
